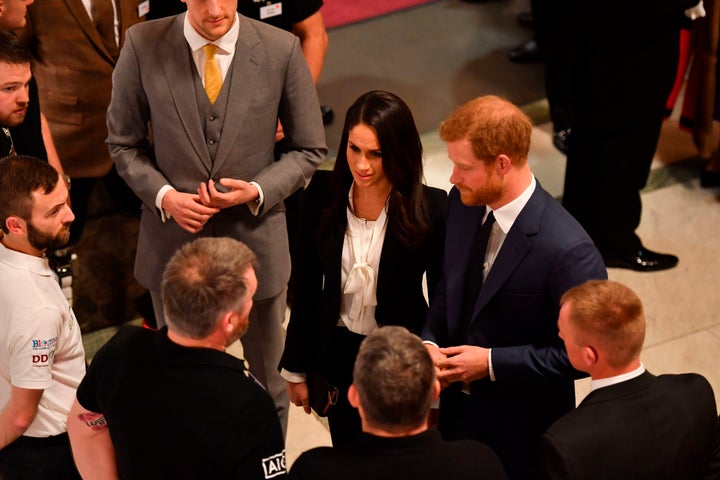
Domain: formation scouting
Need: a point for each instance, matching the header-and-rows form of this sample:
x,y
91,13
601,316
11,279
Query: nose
x,y
213,7
69,215
23,95
454,176
363,163
29,2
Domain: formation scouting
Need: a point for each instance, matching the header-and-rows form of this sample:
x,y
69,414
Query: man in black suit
x,y
393,386
632,425
492,325
626,58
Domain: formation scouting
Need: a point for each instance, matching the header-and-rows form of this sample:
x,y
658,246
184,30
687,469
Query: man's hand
x,y
187,210
464,363
234,192
437,359
298,393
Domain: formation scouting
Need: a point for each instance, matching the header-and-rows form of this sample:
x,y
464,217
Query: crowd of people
x,y
448,327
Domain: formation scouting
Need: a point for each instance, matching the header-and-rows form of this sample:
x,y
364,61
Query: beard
x,y
489,193
44,241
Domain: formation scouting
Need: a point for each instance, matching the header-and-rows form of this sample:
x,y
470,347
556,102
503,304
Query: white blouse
x,y
360,263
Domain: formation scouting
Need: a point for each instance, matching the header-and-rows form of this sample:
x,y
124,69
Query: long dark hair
x,y
393,123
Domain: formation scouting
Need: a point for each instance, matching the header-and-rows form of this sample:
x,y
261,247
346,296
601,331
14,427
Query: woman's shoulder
x,y
436,197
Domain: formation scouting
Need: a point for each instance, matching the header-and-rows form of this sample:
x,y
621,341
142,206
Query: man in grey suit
x,y
206,167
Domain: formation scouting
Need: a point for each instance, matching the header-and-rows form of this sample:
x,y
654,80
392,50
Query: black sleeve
x,y
165,8
27,137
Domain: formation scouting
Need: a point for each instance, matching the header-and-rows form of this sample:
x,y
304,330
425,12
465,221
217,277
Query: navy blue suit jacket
x,y
545,253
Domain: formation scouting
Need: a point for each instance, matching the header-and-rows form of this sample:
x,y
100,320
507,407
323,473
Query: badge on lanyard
x,y
143,8
272,10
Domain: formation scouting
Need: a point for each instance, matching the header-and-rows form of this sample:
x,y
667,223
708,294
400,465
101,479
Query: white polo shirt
x,y
40,342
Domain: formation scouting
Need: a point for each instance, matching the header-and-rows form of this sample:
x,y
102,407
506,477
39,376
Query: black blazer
x,y
649,427
316,303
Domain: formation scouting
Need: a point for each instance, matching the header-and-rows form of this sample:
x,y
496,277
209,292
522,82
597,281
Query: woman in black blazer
x,y
370,231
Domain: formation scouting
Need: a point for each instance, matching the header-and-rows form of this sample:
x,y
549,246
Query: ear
x,y
228,321
590,356
15,224
436,389
353,396
503,164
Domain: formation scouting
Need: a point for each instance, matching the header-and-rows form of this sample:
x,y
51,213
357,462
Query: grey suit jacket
x,y
153,85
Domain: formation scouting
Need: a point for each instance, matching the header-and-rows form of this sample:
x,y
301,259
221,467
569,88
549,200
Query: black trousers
x,y
606,169
30,458
116,197
554,33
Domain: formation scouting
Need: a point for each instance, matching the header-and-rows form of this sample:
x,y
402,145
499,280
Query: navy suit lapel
x,y
461,227
179,72
245,71
514,249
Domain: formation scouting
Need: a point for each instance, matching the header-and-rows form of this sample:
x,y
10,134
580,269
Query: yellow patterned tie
x,y
213,77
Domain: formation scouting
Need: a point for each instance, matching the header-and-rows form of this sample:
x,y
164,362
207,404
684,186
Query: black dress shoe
x,y
561,138
327,114
526,20
709,179
528,52
643,261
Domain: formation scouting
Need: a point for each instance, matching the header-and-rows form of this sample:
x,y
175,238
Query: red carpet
x,y
337,13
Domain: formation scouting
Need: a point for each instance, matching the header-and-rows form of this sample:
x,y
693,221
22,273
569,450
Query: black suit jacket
x,y
649,427
316,305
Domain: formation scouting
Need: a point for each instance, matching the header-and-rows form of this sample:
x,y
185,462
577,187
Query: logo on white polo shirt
x,y
41,344
43,359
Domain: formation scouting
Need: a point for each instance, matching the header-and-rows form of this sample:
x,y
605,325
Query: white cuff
x,y
164,216
257,204
491,372
292,376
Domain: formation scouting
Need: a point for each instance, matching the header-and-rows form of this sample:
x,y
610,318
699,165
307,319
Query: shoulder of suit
x,y
266,32
155,27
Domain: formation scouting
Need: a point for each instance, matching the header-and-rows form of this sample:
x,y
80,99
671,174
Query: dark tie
x,y
474,280
104,18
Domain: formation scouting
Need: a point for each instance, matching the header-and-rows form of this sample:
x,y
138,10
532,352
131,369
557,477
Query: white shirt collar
x,y
23,261
606,382
506,215
226,43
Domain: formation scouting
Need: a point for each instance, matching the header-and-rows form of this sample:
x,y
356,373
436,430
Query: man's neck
x,y
381,432
606,371
516,181
11,242
184,341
